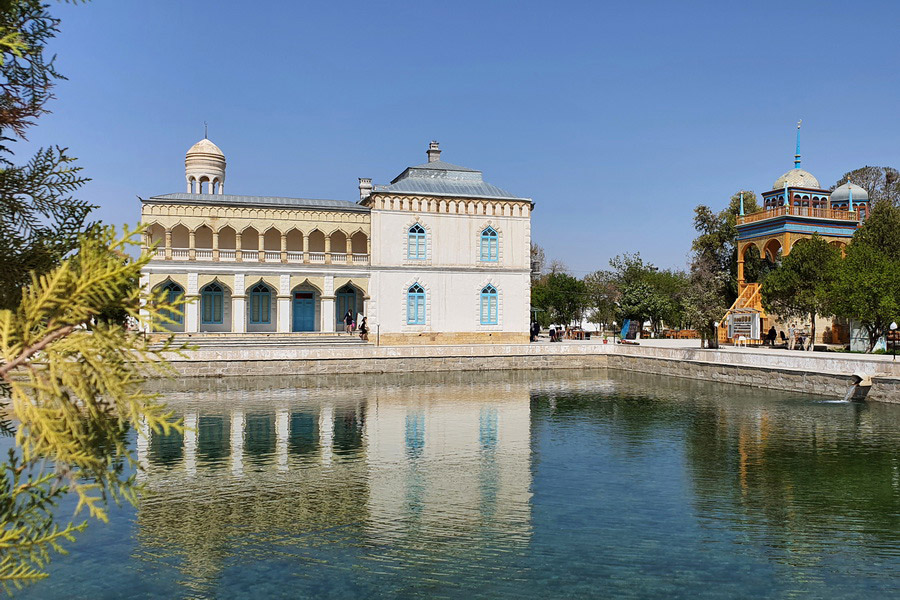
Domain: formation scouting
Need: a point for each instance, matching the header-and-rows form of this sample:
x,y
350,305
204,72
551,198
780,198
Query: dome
x,y
841,195
205,146
204,168
796,178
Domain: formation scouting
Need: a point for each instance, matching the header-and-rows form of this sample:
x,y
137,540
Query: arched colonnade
x,y
258,306
249,244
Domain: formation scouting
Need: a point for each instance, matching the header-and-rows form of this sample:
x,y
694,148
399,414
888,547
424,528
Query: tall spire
x,y
797,153
742,203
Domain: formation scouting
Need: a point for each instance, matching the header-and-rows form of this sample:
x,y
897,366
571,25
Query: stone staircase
x,y
266,340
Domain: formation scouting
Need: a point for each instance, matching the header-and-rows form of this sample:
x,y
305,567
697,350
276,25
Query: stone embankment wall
x,y
827,374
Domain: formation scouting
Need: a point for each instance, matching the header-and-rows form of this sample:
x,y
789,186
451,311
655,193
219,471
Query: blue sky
x,y
616,118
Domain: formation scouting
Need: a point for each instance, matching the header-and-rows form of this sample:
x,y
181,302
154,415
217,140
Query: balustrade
x,y
801,211
293,256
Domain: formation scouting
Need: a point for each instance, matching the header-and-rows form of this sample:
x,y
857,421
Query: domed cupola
x,y
848,196
796,178
204,168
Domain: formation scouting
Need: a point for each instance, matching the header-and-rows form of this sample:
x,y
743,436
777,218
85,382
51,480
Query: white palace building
x,y
438,256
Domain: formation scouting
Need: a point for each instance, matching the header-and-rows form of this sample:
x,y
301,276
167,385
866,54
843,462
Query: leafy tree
x,y
717,239
867,286
882,183
802,286
563,298
39,220
72,384
646,293
705,296
601,296
537,262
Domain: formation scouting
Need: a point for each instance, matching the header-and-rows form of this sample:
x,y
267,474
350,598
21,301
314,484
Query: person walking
x,y
348,321
364,330
792,336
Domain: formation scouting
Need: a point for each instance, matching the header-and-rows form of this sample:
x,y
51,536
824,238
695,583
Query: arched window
x,y
489,245
260,304
415,305
211,298
488,305
173,293
415,246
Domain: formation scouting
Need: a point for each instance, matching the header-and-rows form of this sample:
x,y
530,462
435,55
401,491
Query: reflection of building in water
x,y
303,467
459,453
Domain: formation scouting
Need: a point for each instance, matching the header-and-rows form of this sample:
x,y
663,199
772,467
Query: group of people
x,y
350,326
556,335
795,338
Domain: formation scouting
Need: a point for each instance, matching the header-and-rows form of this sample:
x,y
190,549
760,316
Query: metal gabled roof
x,y
262,201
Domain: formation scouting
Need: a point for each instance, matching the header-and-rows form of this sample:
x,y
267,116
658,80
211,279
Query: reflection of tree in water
x,y
806,479
801,477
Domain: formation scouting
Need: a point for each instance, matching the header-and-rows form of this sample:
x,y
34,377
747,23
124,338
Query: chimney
x,y
365,188
434,152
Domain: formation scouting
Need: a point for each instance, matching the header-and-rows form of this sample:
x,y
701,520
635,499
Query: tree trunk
x,y
812,330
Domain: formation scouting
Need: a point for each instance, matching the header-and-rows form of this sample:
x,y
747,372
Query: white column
x,y
239,305
190,444
143,448
144,313
284,304
282,428
328,315
192,305
326,433
237,443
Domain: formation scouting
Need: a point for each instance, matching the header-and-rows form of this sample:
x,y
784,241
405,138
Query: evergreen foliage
x,y
40,221
71,381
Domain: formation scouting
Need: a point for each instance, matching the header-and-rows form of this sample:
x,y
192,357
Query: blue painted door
x,y
304,312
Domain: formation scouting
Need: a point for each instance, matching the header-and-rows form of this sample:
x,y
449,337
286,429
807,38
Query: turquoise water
x,y
490,485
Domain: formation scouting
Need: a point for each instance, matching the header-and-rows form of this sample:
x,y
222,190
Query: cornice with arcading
x,y
450,205
229,212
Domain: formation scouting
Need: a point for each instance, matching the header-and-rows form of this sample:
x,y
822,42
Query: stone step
x,y
220,340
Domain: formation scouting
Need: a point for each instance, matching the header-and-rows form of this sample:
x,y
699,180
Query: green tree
x,y
802,286
40,222
882,183
565,296
601,296
646,292
705,296
71,382
716,242
867,287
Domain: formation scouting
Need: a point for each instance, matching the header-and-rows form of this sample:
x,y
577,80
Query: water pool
x,y
539,484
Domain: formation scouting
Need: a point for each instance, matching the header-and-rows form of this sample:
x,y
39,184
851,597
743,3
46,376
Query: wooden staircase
x,y
749,299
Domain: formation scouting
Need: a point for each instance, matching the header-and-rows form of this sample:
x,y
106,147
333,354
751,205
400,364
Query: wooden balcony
x,y
801,211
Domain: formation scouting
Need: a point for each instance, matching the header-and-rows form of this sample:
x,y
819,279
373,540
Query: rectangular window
x,y
489,248
415,309
489,309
